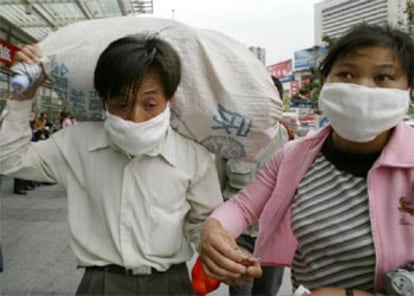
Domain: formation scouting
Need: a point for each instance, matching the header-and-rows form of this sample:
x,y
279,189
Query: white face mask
x,y
359,113
138,138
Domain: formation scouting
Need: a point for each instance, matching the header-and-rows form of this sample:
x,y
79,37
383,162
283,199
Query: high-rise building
x,y
334,17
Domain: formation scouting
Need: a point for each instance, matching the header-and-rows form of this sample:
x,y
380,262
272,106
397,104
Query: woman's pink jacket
x,y
390,185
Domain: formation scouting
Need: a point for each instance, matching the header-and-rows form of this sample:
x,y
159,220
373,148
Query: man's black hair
x,y
123,65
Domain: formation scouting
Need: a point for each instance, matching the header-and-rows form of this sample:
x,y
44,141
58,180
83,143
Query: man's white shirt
x,y
130,211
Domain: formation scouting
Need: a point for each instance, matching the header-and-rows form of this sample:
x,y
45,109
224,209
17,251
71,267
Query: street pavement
x,y
35,243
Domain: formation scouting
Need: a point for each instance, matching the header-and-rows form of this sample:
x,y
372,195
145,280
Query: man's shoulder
x,y
83,132
83,127
185,141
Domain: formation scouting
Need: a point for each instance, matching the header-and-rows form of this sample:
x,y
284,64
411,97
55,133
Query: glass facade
x,y
27,22
334,17
39,18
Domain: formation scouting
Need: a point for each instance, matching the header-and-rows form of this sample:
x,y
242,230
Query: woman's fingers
x,y
252,272
221,267
255,270
223,259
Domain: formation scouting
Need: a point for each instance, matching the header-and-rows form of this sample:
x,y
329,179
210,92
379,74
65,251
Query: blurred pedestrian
x,y
65,120
41,128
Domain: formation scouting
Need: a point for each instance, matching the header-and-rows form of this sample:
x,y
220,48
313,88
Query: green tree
x,y
409,11
411,109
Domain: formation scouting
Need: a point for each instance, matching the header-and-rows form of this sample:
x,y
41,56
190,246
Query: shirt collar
x,y
169,146
101,141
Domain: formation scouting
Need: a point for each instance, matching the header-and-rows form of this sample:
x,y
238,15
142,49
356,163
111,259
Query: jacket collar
x,y
397,153
101,141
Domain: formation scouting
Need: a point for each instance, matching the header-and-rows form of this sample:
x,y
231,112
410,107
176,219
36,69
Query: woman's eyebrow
x,y
346,64
388,66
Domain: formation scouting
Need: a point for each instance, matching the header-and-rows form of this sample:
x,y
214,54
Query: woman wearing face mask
x,y
333,205
137,191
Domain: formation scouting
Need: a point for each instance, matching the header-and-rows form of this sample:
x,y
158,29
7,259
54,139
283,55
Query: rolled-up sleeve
x,y
204,195
19,157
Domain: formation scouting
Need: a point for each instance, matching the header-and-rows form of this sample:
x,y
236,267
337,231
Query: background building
x,y
37,18
334,17
283,72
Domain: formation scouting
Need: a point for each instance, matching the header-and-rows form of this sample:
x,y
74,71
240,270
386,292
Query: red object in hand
x,y
202,284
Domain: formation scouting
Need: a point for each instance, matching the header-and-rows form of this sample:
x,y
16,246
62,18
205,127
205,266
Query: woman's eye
x,y
384,77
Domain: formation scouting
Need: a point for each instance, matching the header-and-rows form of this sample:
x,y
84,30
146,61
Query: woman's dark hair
x,y
364,35
123,65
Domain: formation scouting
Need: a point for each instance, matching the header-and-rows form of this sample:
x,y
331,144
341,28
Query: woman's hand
x,y
222,258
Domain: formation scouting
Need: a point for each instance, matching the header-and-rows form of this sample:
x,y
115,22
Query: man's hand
x,y
31,91
222,258
29,54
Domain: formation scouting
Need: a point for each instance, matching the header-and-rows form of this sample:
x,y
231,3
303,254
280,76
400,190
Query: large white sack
x,y
226,99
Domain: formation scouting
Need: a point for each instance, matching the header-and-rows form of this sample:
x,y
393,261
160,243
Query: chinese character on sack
x,y
59,80
229,121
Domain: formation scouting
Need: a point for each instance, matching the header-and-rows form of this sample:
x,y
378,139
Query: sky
x,y
279,26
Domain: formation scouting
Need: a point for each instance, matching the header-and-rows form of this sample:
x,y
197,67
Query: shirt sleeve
x,y
204,196
19,157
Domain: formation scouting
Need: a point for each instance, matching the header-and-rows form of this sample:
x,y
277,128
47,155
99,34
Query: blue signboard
x,y
308,58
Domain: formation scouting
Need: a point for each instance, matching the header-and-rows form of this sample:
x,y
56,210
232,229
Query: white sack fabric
x,y
226,99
